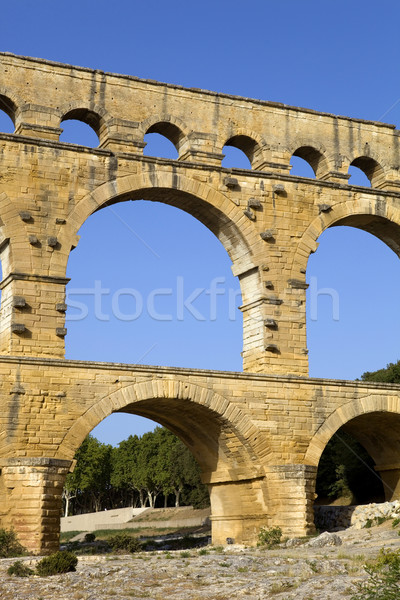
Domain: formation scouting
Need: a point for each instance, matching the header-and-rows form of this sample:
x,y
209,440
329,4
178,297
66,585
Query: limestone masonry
x,y
258,435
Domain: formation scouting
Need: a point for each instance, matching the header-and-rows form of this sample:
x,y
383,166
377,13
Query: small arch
x,y
89,133
7,114
371,169
247,145
159,145
301,168
313,157
170,128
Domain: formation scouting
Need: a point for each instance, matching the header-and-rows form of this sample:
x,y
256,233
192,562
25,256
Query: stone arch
x,y
173,128
249,142
370,214
95,116
315,154
221,437
380,404
371,168
208,205
10,103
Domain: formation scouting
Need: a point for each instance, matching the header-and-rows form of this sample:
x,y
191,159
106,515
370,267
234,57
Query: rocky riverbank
x,y
305,572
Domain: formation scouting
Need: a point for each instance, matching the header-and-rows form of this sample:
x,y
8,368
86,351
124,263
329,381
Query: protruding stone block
x,y
231,182
254,203
25,216
33,240
267,235
19,302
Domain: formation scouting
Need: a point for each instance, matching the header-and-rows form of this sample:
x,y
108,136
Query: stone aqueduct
x,y
258,435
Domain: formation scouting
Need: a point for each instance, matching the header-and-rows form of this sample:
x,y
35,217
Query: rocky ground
x,y
297,572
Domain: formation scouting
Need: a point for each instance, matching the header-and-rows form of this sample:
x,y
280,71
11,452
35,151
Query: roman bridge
x,y
257,435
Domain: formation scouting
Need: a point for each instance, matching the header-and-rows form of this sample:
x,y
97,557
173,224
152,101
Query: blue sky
x,y
339,57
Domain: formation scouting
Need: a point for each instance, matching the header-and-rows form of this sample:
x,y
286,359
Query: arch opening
x,y
81,126
217,442
7,115
153,296
346,471
164,140
301,168
351,308
315,160
159,146
239,151
146,469
365,171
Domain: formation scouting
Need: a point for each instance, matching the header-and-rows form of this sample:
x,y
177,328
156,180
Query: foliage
x,y
395,522
89,484
155,468
59,562
90,537
66,536
383,581
346,469
18,569
391,374
125,542
9,544
269,537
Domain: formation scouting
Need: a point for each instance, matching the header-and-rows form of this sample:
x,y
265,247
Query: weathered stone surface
x,y
325,539
327,573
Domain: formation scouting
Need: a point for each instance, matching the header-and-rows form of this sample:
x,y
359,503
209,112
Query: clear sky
x,y
340,57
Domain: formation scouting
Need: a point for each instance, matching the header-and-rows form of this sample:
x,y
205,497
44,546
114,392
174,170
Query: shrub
x,y
59,562
269,537
383,582
395,522
90,537
368,524
9,545
18,569
124,542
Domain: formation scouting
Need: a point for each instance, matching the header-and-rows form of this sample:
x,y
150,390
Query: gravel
x,y
298,572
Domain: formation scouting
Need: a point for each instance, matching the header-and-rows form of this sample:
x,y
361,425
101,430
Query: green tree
x,y
177,469
391,374
90,481
347,470
125,475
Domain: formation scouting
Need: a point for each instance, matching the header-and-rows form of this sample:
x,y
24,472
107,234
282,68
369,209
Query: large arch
x,y
221,437
374,421
208,205
369,214
377,404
